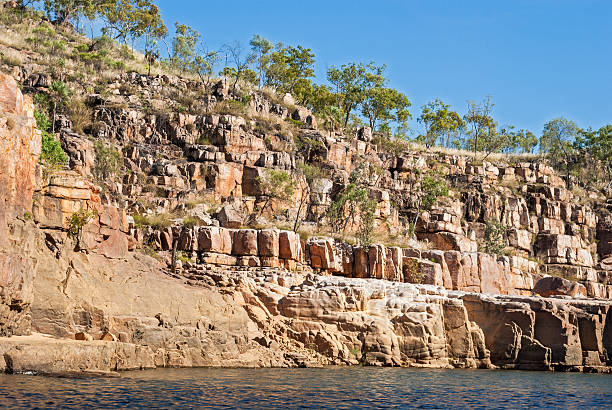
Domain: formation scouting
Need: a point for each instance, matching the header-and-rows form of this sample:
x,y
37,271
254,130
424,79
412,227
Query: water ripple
x,y
331,388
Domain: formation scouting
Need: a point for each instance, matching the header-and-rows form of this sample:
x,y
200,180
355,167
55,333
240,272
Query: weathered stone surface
x,y
322,254
20,147
552,286
245,242
230,217
214,239
268,243
289,245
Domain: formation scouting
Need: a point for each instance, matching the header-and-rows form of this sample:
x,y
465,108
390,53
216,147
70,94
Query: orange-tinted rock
x,y
360,263
289,245
114,246
108,337
83,336
552,286
268,243
245,242
322,254
215,239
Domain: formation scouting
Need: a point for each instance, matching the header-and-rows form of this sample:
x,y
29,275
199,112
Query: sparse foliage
x,y
494,238
108,161
275,185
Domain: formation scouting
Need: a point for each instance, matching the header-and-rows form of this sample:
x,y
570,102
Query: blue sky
x,y
538,59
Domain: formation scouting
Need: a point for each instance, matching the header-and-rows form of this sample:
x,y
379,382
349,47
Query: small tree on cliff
x,y
275,185
495,238
289,69
557,142
354,206
51,155
352,81
184,46
241,63
441,123
108,161
260,52
427,190
58,94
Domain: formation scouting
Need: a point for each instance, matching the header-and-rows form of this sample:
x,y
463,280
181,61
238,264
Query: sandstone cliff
x,y
265,297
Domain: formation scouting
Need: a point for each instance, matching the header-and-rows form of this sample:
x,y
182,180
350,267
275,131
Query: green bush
x,y
78,220
52,153
495,238
108,161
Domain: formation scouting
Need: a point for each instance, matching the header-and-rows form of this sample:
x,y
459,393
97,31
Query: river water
x,y
333,388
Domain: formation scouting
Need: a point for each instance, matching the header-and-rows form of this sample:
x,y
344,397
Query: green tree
x,y
51,155
108,161
527,141
275,184
495,238
352,81
386,104
557,141
427,189
58,95
184,46
65,11
307,175
597,144
241,69
481,125
290,68
441,123
204,64
132,18
483,135
260,51
353,204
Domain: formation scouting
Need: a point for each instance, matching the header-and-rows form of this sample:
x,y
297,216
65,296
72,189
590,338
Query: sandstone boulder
x,y
268,243
289,245
551,286
215,239
245,242
230,217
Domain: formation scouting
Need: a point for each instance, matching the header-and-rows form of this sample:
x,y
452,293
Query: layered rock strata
x,y
248,297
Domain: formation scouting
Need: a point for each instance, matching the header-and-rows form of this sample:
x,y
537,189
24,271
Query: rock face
x,y
20,148
273,317
552,286
19,151
220,295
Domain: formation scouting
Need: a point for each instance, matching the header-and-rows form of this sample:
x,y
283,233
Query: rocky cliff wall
x,y
19,151
247,297
173,158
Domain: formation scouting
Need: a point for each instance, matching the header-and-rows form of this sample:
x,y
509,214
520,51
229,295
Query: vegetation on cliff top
x,y
354,94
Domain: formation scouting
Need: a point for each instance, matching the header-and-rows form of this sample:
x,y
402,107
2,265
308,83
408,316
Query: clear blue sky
x,y
538,59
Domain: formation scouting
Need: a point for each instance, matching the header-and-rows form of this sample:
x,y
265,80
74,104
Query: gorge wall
x,y
114,297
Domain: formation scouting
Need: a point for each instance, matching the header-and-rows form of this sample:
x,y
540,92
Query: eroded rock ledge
x,y
244,303
271,317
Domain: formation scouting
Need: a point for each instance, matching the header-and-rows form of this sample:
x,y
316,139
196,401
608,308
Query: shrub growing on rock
x,y
495,238
275,184
108,161
51,155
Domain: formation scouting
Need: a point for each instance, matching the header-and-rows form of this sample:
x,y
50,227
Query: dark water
x,y
313,388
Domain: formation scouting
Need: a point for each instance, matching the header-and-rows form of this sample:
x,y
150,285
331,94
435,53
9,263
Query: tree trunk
x,y
297,223
54,111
